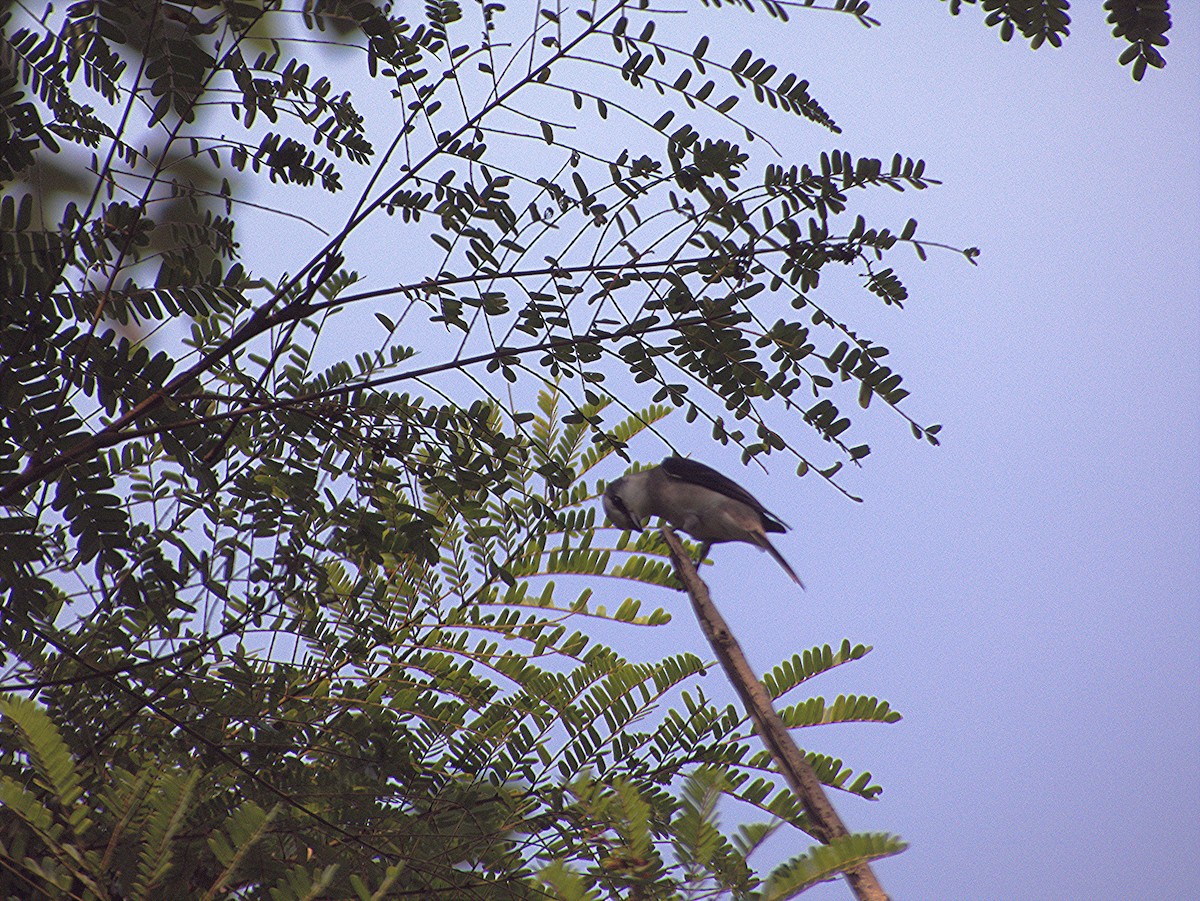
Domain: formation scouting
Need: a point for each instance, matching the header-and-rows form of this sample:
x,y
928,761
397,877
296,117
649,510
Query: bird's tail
x,y
766,545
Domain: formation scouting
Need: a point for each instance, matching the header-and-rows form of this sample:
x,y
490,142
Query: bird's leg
x,y
703,553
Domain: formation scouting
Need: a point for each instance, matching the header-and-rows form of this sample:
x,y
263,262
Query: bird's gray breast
x,y
707,515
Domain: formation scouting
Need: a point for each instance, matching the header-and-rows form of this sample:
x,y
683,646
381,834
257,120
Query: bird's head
x,y
619,505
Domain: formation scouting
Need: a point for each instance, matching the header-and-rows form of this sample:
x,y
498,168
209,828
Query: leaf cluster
x,y
88,406
1143,24
410,718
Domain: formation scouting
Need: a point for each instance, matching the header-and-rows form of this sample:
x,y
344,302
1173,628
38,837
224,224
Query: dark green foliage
x,y
438,726
1143,23
282,618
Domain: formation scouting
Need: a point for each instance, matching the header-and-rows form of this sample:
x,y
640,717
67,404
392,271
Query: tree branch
x,y
116,432
788,757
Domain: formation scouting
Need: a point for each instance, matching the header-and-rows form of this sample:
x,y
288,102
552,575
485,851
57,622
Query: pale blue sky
x,y
1030,587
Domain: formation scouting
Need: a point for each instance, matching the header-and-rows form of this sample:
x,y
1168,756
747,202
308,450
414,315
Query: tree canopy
x,y
299,562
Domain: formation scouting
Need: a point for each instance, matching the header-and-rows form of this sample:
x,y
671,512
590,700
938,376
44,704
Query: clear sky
x,y
1030,587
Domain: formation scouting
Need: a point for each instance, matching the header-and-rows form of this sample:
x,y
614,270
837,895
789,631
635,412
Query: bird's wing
x,y
695,473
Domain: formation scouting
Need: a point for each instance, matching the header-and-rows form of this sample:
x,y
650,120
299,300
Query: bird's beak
x,y
637,526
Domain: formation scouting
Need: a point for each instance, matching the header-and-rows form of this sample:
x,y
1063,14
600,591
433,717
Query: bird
x,y
697,500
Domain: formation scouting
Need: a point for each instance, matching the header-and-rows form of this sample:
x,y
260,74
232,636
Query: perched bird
x,y
695,499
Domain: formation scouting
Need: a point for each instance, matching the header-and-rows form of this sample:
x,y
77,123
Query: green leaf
x,y
823,862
